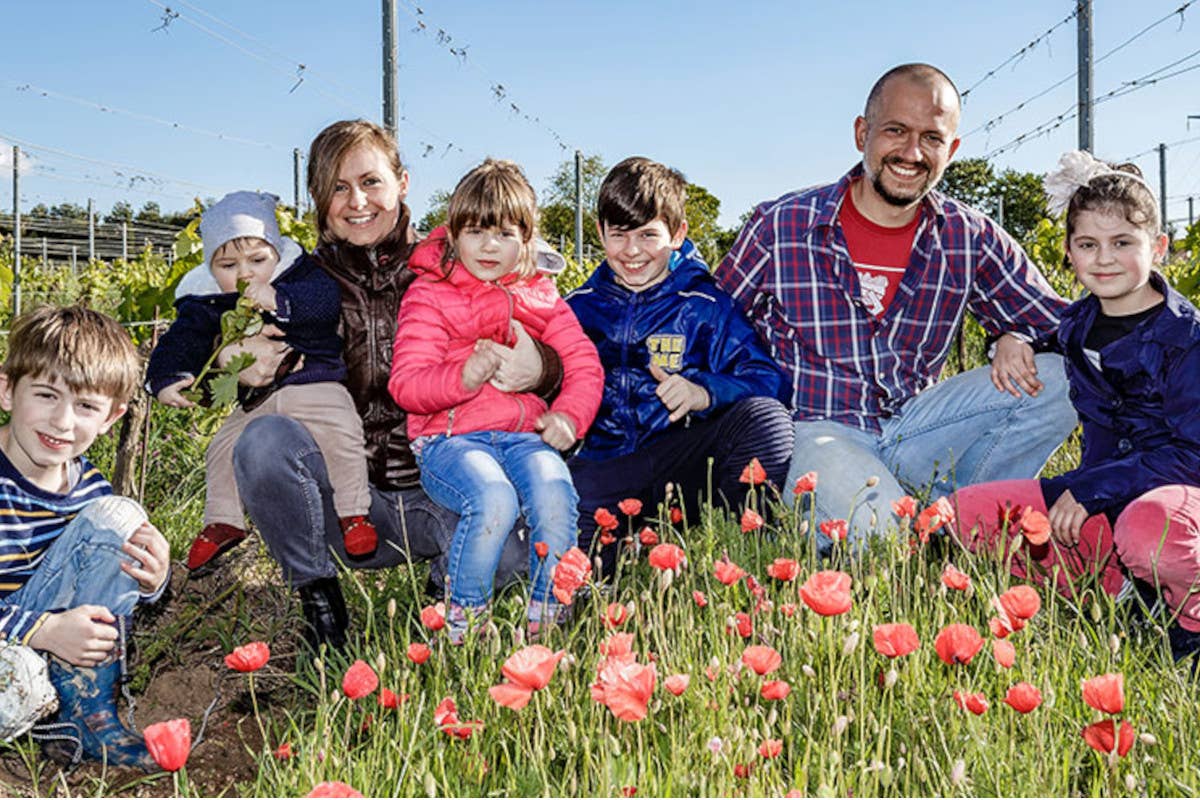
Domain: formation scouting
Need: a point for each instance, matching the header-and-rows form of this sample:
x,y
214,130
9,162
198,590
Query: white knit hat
x,y
236,215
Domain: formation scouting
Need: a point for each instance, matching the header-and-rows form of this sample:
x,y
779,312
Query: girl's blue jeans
x,y
489,478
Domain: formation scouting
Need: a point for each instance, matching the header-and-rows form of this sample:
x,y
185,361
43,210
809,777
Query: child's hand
x,y
149,549
1013,366
269,350
557,430
1066,518
678,394
262,295
83,636
173,395
520,365
481,365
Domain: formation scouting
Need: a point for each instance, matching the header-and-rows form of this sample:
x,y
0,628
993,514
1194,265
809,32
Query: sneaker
x,y
359,536
214,541
461,619
543,617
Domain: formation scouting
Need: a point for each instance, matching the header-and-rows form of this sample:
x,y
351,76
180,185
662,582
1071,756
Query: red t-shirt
x,y
880,254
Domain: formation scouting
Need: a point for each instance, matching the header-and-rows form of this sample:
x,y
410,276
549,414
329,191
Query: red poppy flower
x,y
754,473
805,483
975,703
1004,653
333,789
741,771
1035,526
827,592
958,644
360,680
605,519
699,598
445,716
1023,697
418,653
787,609
606,538
770,748
745,625
895,639
784,569
647,537
542,549
953,579
727,572
1103,736
1105,693
389,699
1001,628
667,556
676,515
905,507
630,506
677,684
762,659
1020,602
776,690
434,617
751,520
628,791
570,573
169,743
625,688
933,518
835,529
284,751
527,670
619,644
249,657
615,615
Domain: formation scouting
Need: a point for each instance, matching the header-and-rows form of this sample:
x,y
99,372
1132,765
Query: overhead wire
x,y
1019,54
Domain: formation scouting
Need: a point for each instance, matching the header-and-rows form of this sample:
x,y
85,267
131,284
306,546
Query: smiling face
x,y
1113,257
490,253
251,260
907,139
51,424
641,257
366,198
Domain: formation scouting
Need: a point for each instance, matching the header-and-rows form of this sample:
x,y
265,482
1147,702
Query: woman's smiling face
x,y
367,197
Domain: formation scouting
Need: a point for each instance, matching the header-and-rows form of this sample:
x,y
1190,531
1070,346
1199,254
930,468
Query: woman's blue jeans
x,y
489,479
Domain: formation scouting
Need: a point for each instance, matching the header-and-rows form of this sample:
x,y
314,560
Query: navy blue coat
x,y
1140,413
686,325
309,307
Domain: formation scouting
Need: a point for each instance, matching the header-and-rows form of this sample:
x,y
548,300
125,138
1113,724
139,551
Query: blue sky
x,y
750,100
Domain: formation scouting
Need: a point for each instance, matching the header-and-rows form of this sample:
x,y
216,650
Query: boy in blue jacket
x,y
685,378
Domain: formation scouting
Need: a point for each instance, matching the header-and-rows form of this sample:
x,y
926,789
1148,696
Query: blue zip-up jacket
x,y
1140,412
686,325
308,309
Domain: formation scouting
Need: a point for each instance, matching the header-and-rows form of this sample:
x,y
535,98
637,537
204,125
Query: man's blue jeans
x,y
83,565
958,432
489,478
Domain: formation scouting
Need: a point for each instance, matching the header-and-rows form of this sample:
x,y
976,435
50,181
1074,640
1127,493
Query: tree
x,y
68,211
974,182
558,204
121,212
151,212
702,209
439,204
969,181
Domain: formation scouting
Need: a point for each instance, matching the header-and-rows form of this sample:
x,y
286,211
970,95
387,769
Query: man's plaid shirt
x,y
792,273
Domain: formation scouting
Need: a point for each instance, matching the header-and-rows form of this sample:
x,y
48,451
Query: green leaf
x,y
224,388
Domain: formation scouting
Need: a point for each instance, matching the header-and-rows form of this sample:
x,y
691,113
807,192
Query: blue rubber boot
x,y
87,726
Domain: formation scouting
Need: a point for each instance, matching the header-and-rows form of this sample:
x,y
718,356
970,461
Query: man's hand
x,y
1014,366
678,394
1066,518
557,430
520,365
152,558
83,636
262,295
480,366
173,395
268,348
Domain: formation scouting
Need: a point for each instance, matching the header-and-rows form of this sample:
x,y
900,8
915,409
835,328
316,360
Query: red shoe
x,y
359,536
213,541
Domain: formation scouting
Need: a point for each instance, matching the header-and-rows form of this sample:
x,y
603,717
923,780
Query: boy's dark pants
x,y
757,427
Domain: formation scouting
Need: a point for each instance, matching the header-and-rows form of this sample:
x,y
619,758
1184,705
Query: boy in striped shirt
x,y
74,559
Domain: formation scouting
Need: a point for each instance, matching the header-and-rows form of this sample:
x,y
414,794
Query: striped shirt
x,y
30,521
791,272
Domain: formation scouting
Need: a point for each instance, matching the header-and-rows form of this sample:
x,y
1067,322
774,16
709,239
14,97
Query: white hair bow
x,y
1077,169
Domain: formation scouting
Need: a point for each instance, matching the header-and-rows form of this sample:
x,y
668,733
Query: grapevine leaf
x,y
224,388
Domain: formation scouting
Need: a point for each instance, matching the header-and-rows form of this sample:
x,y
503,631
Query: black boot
x,y
87,725
325,616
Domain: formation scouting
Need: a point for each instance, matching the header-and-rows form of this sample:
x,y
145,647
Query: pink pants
x,y
1156,538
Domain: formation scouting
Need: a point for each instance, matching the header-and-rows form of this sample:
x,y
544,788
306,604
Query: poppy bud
x,y
808,671
1130,783
890,677
872,481
840,724
850,644
958,773
391,608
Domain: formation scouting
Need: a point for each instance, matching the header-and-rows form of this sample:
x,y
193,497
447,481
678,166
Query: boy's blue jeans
x,y
83,565
489,478
959,432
